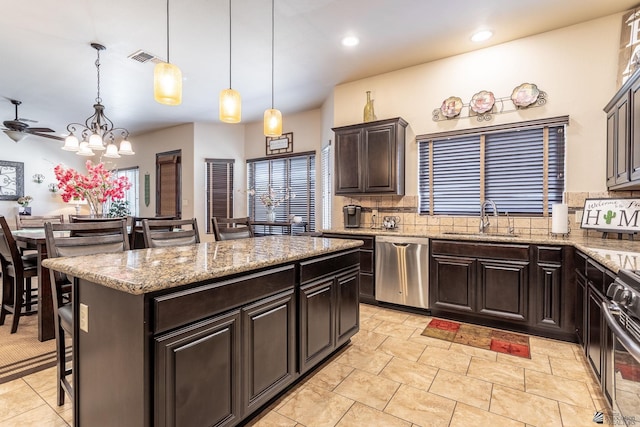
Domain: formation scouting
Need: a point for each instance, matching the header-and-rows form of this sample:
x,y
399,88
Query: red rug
x,y
478,336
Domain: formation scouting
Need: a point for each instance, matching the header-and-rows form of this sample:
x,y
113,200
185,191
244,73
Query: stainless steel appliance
x,y
402,270
622,314
352,215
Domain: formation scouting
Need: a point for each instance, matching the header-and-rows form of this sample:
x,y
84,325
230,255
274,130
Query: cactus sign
x,y
612,215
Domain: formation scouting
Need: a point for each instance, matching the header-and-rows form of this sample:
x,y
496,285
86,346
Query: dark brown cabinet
x,y
328,307
481,280
623,137
370,157
549,290
367,265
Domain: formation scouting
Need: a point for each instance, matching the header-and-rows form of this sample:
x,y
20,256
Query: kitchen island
x,y
205,334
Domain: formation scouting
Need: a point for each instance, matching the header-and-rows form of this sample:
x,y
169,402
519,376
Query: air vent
x,y
143,57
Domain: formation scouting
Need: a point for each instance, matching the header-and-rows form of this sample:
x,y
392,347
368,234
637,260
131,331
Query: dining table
x,y
34,238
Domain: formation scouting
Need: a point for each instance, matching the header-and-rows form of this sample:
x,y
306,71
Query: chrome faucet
x,y
484,218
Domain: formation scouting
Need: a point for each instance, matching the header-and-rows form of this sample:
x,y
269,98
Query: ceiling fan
x,y
18,130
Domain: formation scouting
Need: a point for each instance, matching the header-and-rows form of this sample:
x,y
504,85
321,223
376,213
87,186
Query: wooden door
x,y
380,159
317,327
348,165
453,283
169,184
347,306
504,288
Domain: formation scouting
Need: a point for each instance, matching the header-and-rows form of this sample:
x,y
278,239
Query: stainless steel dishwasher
x,y
402,270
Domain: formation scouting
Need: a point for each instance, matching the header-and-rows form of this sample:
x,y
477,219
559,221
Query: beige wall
x,y
575,66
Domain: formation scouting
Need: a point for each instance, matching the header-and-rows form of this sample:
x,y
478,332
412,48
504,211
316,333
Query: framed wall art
x,y
11,180
281,144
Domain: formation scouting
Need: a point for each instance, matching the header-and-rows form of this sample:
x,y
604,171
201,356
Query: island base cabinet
x,y
348,308
316,322
190,364
269,348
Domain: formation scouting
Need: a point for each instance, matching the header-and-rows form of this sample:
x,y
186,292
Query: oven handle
x,y
625,339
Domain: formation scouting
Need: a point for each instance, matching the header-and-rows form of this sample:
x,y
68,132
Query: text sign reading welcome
x,y
616,215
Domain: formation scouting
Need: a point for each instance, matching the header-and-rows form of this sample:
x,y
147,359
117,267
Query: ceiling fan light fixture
x,y
15,135
71,143
125,148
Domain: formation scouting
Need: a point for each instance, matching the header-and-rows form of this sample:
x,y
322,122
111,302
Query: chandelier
x,y
97,133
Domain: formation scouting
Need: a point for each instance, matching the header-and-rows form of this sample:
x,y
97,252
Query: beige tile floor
x,y
390,375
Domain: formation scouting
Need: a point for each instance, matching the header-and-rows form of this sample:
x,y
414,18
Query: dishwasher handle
x,y
400,245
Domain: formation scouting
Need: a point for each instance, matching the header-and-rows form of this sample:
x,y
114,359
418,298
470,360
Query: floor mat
x,y
479,336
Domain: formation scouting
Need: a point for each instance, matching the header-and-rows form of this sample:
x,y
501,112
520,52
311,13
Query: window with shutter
x,y
219,187
296,173
518,166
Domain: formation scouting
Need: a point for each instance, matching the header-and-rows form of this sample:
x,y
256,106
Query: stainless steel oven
x,y
622,314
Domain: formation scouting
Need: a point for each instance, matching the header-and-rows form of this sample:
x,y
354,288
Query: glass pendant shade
x,y
71,143
230,106
85,150
95,142
272,122
125,148
167,84
112,151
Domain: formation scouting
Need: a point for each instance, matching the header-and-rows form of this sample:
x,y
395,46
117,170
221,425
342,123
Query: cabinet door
x,y
622,142
269,348
594,330
503,287
380,159
549,294
611,148
347,307
317,327
635,132
453,283
348,168
581,295
197,374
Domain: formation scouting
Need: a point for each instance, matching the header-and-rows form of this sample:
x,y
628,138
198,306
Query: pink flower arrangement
x,y
97,187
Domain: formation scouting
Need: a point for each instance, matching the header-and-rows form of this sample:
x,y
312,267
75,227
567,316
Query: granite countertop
x,y
147,270
612,253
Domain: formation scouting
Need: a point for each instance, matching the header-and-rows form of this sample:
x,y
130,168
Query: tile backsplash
x,y
406,208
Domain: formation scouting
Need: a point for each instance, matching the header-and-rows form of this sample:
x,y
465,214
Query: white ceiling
x,y
48,64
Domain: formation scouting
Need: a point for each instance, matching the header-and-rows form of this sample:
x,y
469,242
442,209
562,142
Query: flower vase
x,y
369,114
271,214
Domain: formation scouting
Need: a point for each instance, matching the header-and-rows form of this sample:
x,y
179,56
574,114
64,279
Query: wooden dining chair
x,y
160,233
232,228
136,237
17,272
30,221
80,238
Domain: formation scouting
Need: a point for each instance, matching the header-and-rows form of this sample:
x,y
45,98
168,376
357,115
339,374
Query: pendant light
x,y
167,78
230,101
272,117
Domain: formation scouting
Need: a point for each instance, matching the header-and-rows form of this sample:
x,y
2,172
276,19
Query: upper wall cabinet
x,y
623,137
370,157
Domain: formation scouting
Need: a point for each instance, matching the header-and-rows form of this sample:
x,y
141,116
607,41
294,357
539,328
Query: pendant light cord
x,y
272,44
229,44
168,32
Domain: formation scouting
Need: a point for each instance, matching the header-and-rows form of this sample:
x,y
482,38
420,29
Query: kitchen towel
x,y
560,218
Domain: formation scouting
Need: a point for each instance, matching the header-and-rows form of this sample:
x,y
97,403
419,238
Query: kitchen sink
x,y
478,234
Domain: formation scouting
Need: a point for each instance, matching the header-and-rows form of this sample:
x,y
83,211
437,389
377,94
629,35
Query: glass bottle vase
x,y
369,113
271,214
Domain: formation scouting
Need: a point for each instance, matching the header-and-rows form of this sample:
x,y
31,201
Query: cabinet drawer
x,y
581,263
331,264
180,308
480,250
368,240
595,275
550,254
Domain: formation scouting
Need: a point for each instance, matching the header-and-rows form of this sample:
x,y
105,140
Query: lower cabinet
x,y
594,331
329,308
367,264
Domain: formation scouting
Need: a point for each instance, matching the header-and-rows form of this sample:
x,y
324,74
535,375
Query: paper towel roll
x,y
559,218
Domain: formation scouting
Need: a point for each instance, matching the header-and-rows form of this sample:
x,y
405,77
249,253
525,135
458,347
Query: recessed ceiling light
x,y
482,35
350,41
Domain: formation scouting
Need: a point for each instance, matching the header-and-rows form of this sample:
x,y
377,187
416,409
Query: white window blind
x,y
326,187
219,189
520,168
296,173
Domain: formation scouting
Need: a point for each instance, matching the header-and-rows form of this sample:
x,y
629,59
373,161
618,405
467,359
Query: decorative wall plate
x,y
451,107
525,95
482,102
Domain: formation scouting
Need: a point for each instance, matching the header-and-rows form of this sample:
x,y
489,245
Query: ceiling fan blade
x,y
27,120
32,130
44,135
